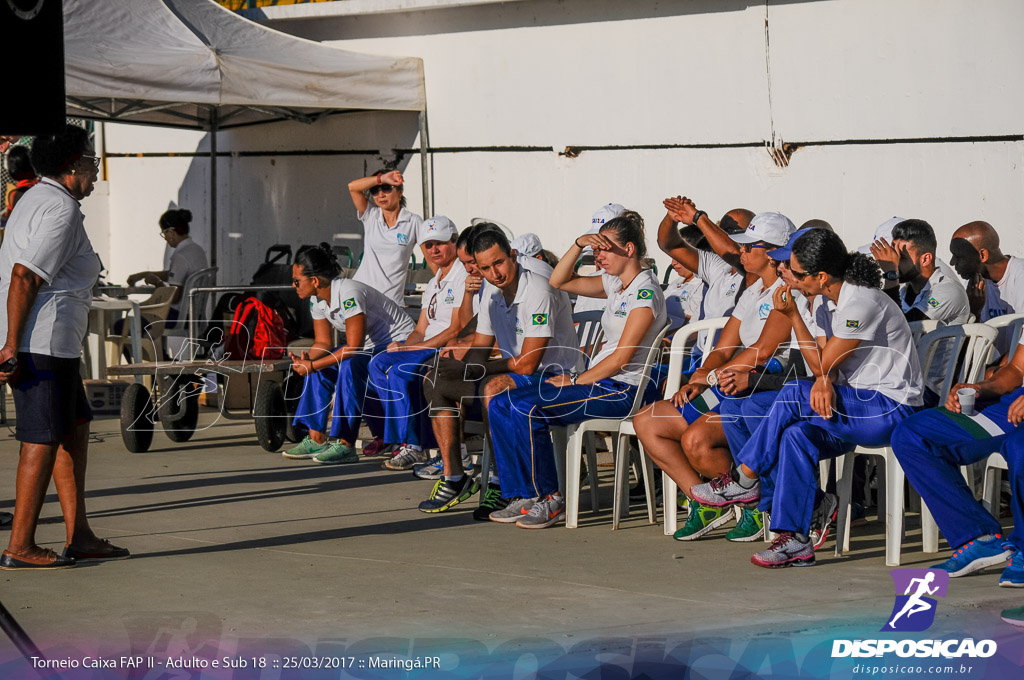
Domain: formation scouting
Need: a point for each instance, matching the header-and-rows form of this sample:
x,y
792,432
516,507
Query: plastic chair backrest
x,y
1013,321
652,355
677,352
280,251
589,333
972,341
919,328
344,254
200,302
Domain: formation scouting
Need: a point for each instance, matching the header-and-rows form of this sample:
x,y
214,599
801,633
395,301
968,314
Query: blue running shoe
x,y
1013,574
974,556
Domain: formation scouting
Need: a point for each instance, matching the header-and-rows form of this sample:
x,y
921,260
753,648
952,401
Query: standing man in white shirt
x,y
390,233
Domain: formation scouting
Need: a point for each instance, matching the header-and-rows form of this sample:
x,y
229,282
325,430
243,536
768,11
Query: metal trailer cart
x,y
174,402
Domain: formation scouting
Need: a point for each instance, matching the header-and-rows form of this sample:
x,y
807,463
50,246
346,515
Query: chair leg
x,y
669,501
844,487
929,530
647,466
894,479
991,489
485,465
591,448
620,504
573,458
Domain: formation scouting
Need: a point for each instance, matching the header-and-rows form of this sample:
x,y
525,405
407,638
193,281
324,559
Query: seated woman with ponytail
x,y
370,321
684,435
867,380
520,421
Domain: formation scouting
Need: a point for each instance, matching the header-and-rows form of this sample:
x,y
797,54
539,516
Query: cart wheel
x,y
136,418
179,418
294,432
269,414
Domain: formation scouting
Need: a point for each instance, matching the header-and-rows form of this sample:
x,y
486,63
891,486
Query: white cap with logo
x,y
603,214
438,228
770,227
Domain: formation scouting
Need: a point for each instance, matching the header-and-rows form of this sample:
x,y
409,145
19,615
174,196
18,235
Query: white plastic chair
x,y
574,435
978,339
1013,321
677,355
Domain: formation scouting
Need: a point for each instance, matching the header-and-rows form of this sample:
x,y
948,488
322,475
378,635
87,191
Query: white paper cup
x,y
966,396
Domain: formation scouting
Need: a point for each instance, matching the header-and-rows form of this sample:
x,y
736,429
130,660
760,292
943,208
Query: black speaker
x,y
33,48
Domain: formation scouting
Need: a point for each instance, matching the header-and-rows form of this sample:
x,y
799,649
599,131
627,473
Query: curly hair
x,y
321,262
53,155
823,251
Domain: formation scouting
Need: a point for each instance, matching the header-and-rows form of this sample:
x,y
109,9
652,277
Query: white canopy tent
x,y
193,64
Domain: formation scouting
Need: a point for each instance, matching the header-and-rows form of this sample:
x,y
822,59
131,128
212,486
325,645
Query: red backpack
x,y
256,332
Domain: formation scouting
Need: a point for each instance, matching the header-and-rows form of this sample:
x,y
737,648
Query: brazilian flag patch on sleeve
x,y
349,303
644,294
852,323
932,302
540,319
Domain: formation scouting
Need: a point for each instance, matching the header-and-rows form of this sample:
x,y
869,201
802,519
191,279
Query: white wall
x,y
552,74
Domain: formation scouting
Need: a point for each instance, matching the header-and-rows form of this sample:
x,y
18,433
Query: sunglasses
x,y
801,275
747,247
93,159
381,188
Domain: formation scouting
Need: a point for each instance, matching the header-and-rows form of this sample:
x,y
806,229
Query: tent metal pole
x,y
213,187
424,164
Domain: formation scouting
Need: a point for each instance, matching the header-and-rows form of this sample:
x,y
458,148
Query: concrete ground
x,y
237,549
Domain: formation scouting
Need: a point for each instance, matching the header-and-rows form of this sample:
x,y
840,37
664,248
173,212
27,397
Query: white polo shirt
x,y
534,265
723,284
643,292
753,308
886,358
46,234
386,251
188,258
385,320
680,299
821,313
537,311
442,298
942,299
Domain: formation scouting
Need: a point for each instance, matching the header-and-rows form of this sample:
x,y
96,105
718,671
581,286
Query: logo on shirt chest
x,y
731,291
450,297
622,311
403,239
764,310
519,327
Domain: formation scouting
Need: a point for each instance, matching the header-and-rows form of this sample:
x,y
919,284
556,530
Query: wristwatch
x,y
696,217
892,275
712,377
573,375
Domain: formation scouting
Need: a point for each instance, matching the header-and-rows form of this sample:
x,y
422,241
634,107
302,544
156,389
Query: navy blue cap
x,y
785,252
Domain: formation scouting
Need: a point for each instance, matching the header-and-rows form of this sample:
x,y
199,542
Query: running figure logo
x,y
914,610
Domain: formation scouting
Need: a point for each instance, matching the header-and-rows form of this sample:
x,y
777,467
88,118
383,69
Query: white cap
x,y
527,244
439,228
884,231
603,214
770,227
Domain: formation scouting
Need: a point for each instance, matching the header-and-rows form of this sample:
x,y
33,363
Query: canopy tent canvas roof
x,y
187,62
194,64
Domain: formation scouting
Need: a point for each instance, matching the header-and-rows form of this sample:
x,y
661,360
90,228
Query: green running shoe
x,y
1014,617
701,520
749,528
337,453
307,448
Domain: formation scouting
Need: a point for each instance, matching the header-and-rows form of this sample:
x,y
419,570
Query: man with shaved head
x,y
995,281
